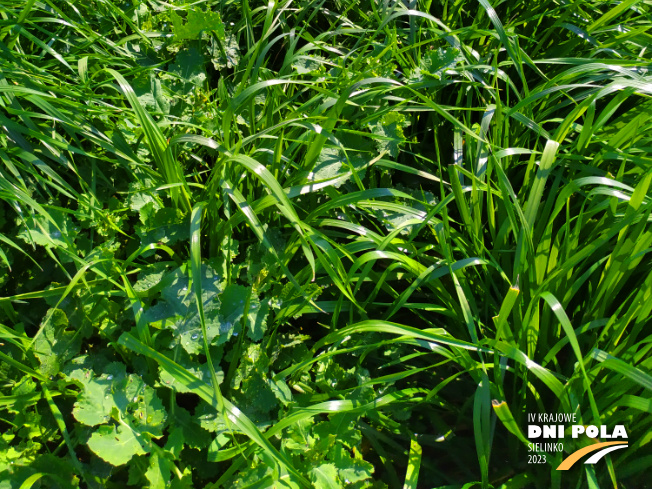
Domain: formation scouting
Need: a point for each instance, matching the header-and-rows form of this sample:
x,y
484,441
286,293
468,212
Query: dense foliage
x,y
322,244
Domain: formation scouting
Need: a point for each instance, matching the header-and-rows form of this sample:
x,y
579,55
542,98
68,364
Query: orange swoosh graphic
x,y
575,456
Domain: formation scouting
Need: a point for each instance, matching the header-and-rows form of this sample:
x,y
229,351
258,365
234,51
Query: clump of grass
x,y
343,244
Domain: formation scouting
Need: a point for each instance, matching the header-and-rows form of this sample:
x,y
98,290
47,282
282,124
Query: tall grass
x,y
447,205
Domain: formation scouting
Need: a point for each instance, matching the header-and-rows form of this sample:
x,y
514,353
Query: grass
x,y
332,244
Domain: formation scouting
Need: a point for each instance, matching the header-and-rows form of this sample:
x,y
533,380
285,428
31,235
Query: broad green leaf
x,y
141,194
188,71
96,401
388,132
304,65
325,477
227,55
328,166
150,93
197,22
186,431
114,395
149,280
233,300
57,344
176,308
206,392
435,63
115,444
158,472
52,233
165,225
